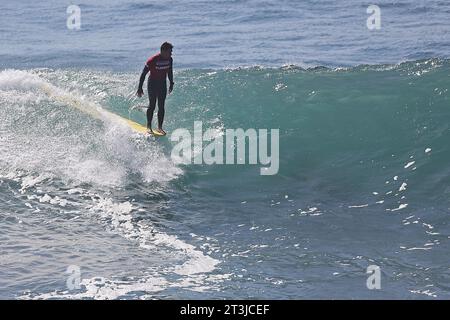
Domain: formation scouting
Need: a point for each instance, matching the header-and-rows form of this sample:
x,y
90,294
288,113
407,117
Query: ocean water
x,y
363,119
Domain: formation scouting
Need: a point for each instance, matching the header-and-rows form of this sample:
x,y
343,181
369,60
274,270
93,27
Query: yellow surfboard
x,y
93,109
137,127
133,125
158,133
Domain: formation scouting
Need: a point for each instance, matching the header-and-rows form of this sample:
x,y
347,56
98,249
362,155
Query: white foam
x,y
359,206
400,207
195,267
19,80
105,289
117,151
75,190
409,164
197,262
403,186
149,238
31,181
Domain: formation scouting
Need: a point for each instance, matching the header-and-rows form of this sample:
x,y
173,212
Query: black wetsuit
x,y
157,91
159,69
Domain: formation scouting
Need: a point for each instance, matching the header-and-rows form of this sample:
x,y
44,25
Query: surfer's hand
x,y
171,88
140,93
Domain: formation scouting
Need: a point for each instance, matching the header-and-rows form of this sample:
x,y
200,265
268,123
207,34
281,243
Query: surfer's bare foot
x,y
161,130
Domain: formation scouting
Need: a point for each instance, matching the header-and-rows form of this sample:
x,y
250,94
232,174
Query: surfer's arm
x,y
140,91
143,74
170,75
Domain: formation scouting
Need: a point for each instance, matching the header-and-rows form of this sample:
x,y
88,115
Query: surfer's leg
x,y
161,102
150,110
151,105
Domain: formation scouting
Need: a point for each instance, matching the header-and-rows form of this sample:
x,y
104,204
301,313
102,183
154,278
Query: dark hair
x,y
166,46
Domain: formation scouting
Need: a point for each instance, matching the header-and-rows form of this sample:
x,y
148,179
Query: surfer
x,y
160,66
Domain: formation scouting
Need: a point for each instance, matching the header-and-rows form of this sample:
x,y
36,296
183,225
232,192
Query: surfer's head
x,y
166,50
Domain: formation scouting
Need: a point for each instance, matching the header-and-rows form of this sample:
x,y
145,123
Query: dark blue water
x,y
120,35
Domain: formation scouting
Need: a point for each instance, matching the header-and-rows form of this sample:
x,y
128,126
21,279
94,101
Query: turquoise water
x,y
363,175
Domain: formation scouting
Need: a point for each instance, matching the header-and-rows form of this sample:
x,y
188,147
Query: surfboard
x,y
158,134
133,125
92,109
137,127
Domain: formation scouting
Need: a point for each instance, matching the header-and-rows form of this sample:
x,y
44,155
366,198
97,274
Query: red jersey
x,y
159,67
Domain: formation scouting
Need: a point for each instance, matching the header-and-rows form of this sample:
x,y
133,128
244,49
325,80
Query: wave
x,y
359,138
328,118
73,164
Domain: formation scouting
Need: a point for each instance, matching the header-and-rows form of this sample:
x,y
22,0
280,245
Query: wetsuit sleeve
x,y
143,74
170,74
